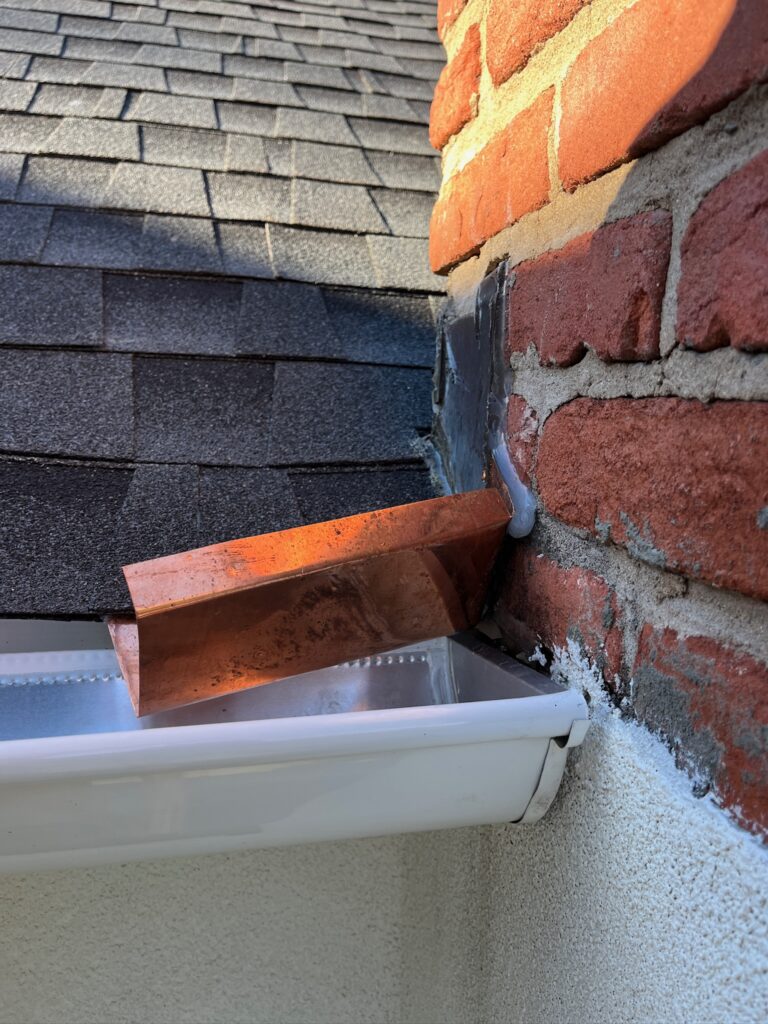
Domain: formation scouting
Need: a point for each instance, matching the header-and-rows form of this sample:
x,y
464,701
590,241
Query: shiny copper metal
x,y
235,615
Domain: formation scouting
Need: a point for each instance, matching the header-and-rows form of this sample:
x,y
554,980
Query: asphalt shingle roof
x,y
216,312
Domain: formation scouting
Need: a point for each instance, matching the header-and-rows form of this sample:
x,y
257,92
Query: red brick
x,y
506,180
455,98
522,436
722,298
601,291
680,484
514,31
659,68
543,603
711,703
447,12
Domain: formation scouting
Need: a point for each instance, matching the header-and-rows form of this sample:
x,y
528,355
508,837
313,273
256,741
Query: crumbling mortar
x,y
724,374
653,595
677,176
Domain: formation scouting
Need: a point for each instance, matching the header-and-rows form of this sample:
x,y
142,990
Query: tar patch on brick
x,y
710,703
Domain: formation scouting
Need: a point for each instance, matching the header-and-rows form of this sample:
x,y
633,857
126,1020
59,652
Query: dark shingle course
x,y
323,257
177,110
180,243
221,42
241,117
78,100
32,42
273,48
246,153
333,494
250,197
63,181
333,413
158,516
48,306
202,410
184,147
376,327
34,21
332,163
279,154
124,76
15,95
278,93
179,190
13,65
405,87
105,140
331,99
101,49
244,250
196,83
403,263
314,74
168,315
253,67
175,57
313,126
400,170
285,319
23,229
94,238
243,502
67,529
391,137
406,213
11,166
66,403
329,205
141,33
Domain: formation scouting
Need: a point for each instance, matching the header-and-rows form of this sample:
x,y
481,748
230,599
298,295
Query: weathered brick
x,y
601,291
722,298
447,12
710,703
522,436
506,180
679,484
515,31
659,68
543,603
455,102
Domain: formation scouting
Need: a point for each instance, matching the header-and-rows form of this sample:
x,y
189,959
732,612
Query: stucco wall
x,y
632,901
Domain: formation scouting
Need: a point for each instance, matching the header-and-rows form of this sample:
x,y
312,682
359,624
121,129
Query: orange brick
x,y
658,69
506,180
454,102
516,30
447,12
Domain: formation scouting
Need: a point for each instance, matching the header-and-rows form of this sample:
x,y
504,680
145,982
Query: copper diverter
x,y
235,615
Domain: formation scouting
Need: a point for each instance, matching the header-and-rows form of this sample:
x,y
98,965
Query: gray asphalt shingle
x,y
211,411
48,306
328,205
341,413
209,188
250,197
178,110
66,403
168,315
323,257
23,229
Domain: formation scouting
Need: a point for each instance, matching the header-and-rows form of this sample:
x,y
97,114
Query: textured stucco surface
x,y
631,902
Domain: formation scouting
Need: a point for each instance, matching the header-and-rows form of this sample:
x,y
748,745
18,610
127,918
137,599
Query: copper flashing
x,y
247,612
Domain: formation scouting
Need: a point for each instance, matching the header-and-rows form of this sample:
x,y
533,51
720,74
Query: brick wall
x,y
612,154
